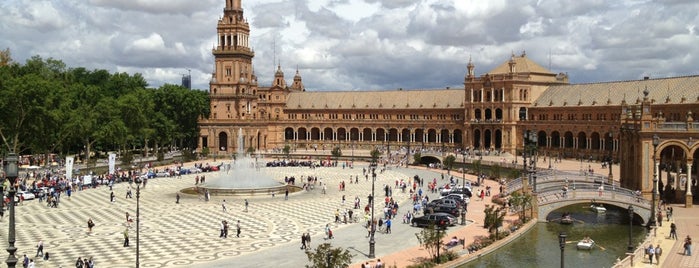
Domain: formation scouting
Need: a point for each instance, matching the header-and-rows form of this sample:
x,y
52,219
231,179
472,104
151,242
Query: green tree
x,y
417,158
494,217
521,202
477,167
325,256
449,162
496,171
336,152
286,150
430,239
375,154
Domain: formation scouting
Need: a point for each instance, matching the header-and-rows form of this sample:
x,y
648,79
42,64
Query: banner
x,y
69,167
112,162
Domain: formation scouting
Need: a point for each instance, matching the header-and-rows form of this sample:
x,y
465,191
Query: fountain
x,y
242,176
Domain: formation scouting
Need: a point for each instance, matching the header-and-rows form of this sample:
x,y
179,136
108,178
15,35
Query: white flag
x,y
69,167
112,162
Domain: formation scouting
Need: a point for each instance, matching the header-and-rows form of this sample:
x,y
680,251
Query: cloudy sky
x,y
363,44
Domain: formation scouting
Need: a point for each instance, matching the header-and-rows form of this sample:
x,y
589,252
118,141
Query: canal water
x,y
539,247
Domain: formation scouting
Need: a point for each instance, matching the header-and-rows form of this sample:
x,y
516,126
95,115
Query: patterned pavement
x,y
185,234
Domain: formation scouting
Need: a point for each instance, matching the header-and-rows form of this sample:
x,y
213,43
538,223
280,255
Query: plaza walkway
x,y
187,234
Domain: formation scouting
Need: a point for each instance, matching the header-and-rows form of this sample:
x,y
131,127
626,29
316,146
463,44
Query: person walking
x,y
111,197
673,231
222,229
286,194
177,198
40,249
303,241
388,225
90,224
246,205
223,205
688,246
658,252
237,229
126,237
660,218
650,251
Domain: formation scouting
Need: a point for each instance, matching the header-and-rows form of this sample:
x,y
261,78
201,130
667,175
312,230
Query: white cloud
x,y
361,44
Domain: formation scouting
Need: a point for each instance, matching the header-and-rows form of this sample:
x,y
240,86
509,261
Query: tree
x,y
286,150
430,239
521,202
494,217
496,171
477,167
325,256
375,153
5,57
449,162
336,152
417,158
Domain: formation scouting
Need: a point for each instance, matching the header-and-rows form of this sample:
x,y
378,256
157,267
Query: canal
x,y
539,247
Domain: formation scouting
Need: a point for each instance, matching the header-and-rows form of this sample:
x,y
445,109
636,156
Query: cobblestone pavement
x,y
187,234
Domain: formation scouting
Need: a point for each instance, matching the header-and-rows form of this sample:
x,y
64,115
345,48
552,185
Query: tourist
x,y
223,206
126,237
112,197
688,246
177,198
660,218
39,249
303,241
237,229
90,224
650,251
658,252
673,231
246,205
286,194
222,229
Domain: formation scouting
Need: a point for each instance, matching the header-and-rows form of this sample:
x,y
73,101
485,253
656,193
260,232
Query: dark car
x,y
449,209
437,219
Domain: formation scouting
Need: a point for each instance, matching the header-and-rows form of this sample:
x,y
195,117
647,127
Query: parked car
x,y
445,208
459,198
437,219
443,201
26,195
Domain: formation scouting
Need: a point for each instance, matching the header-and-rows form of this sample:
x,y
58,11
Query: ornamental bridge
x,y
582,189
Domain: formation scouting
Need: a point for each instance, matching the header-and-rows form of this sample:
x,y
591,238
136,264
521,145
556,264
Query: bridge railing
x,y
591,191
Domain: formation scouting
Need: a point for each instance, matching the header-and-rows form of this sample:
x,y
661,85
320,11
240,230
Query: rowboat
x,y
598,208
586,244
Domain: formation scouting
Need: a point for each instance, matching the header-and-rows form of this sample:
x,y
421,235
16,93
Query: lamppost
x,y
656,141
463,189
138,222
611,159
11,172
562,243
630,247
372,242
530,139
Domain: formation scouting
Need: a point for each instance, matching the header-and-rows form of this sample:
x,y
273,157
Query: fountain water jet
x,y
242,176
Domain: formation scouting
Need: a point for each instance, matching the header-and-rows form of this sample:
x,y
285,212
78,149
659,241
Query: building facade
x,y
606,121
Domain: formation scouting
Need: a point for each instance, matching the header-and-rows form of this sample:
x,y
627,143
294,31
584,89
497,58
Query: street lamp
x,y
11,172
656,141
372,242
463,189
562,243
530,139
611,159
138,222
630,247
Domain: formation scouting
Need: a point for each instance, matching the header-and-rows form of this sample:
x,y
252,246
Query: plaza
x,y
187,234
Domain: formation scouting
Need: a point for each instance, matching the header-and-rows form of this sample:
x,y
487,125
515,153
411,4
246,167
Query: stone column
x,y
688,197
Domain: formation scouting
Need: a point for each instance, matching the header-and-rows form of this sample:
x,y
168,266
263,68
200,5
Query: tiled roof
x,y
662,90
394,99
522,65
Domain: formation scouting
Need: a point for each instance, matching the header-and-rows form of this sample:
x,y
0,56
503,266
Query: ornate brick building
x,y
596,121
